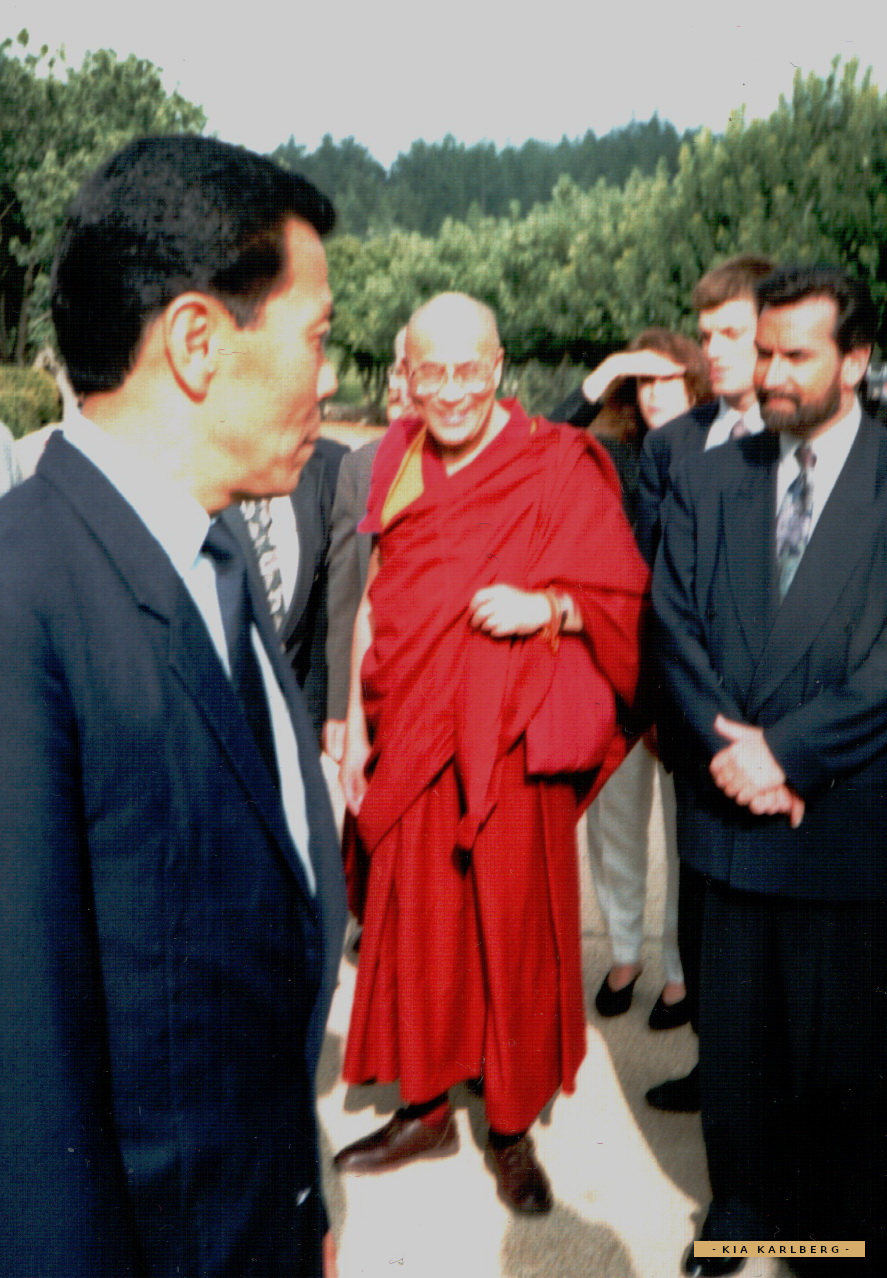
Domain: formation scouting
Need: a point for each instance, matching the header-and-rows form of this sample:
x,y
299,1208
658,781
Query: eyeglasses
x,y
471,378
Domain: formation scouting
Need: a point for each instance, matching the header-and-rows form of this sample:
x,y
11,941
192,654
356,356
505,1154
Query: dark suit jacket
x,y
303,633
662,450
348,562
812,671
166,971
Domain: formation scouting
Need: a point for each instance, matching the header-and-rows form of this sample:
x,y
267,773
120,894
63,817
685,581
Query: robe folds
x,y
484,751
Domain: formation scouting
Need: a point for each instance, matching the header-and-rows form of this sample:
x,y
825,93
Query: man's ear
x,y
192,327
853,366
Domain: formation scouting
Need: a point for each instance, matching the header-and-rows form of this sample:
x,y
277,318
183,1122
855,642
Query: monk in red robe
x,y
499,628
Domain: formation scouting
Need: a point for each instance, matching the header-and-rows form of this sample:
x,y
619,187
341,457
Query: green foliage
x,y
58,124
29,399
586,269
435,181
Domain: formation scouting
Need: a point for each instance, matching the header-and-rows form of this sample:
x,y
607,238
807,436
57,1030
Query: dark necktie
x,y
234,602
257,515
793,519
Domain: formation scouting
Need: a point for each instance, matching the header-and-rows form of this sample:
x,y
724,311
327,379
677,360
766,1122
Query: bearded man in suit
x,y
172,905
771,606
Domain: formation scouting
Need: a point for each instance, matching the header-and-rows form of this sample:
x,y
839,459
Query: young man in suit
x,y
771,607
171,904
727,307
724,299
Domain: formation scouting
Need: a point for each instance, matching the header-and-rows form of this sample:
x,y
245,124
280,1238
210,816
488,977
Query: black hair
x,y
857,317
162,216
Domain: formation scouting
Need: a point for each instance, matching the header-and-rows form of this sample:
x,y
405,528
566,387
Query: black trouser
x,y
793,1035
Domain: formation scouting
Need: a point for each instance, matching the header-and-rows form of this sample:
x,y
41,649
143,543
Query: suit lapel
x,y
158,590
844,531
747,522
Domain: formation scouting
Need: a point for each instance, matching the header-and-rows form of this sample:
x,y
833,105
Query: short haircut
x,y
683,350
162,217
857,319
737,277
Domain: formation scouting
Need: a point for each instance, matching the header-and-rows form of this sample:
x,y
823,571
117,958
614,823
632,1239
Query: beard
x,y
803,419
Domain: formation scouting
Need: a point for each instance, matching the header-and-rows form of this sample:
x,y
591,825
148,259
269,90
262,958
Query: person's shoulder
x,y
734,462
360,460
575,453
326,459
37,534
684,432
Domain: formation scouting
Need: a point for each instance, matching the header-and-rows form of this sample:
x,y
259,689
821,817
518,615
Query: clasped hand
x,y
747,772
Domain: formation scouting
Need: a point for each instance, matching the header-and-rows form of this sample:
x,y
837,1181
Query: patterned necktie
x,y
793,519
257,515
234,602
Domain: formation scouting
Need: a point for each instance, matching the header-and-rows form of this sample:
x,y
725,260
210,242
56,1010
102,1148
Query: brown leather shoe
x,y
399,1141
523,1185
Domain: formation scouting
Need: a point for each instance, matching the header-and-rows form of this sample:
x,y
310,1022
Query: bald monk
x,y
497,633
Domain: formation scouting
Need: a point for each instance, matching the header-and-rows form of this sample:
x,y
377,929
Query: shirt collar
x,y
168,510
751,417
833,445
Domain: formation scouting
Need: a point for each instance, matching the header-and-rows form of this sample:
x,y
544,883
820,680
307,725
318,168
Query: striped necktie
x,y
793,519
257,515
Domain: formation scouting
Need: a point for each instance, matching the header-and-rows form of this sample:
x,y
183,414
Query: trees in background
x,y
576,246
587,268
434,181
57,123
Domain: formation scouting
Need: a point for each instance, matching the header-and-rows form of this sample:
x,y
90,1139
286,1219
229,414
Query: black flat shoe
x,y
610,1002
665,1016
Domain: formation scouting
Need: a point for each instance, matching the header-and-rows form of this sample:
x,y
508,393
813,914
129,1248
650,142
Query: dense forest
x,y
576,246
433,181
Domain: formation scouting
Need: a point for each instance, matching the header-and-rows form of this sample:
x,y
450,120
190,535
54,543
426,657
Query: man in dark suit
x,y
724,299
287,541
171,904
771,605
727,308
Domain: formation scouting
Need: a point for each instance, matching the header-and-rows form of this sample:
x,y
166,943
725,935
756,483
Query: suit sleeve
x,y
576,410
64,1198
693,686
843,729
652,493
344,587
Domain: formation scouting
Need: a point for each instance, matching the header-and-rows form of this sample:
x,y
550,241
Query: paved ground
x,y
630,1183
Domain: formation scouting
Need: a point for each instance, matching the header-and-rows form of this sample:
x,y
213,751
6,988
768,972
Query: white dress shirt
x,y
179,523
830,449
726,419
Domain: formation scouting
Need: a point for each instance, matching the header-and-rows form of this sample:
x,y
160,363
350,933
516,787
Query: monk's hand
x,y
748,772
352,774
503,610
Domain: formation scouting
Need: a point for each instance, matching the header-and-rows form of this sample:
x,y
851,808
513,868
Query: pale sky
x,y
387,72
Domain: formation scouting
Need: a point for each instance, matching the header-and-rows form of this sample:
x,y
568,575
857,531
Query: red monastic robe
x,y
484,752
